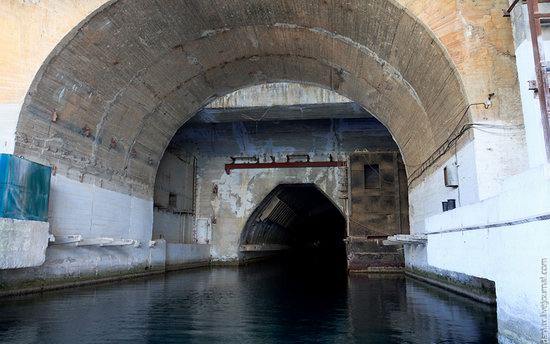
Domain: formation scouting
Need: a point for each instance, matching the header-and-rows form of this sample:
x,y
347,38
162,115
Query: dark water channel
x,y
262,303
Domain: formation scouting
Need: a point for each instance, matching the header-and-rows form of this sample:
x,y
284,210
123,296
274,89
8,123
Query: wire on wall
x,y
456,134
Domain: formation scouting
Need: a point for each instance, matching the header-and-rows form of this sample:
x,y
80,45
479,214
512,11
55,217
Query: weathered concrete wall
x,y
240,192
474,35
68,263
383,209
464,28
418,87
392,77
22,243
282,93
280,112
31,30
511,249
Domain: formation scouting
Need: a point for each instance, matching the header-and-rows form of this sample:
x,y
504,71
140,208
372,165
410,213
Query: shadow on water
x,y
285,301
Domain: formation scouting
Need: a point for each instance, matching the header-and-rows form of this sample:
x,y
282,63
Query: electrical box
x,y
450,173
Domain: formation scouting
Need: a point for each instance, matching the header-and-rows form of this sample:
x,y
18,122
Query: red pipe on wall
x,y
305,164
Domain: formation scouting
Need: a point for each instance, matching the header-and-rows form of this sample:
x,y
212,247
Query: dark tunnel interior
x,y
296,223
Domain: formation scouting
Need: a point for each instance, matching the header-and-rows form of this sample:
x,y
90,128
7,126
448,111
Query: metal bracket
x,y
533,85
507,13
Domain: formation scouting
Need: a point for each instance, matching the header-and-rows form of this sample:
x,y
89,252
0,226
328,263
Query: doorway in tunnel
x,y
300,223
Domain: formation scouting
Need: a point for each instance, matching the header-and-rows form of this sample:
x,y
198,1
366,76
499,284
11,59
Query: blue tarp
x,y
24,189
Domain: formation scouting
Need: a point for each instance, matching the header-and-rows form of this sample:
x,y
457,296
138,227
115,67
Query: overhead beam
x,y
269,165
281,113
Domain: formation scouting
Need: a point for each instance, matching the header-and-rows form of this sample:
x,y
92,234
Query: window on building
x,y
372,176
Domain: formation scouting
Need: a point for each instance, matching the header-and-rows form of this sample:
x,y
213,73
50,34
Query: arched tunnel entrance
x,y
299,220
107,105
253,179
104,117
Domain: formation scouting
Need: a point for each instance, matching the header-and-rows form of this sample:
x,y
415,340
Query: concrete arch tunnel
x,y
299,217
105,115
109,99
104,106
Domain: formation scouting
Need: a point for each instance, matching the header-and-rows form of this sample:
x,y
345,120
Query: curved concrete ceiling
x,y
110,97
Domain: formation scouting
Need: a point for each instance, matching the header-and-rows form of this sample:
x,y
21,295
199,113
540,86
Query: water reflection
x,y
394,309
256,304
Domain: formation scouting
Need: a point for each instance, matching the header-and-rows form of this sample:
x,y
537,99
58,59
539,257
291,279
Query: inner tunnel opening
x,y
300,224
283,170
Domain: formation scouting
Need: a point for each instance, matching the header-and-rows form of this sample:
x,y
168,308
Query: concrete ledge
x,y
187,266
56,285
377,270
464,290
235,262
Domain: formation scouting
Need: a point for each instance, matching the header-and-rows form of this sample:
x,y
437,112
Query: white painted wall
x,y
499,153
93,212
426,197
510,255
9,115
484,165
